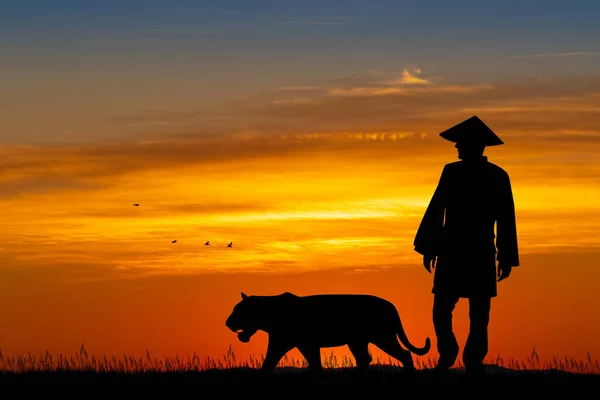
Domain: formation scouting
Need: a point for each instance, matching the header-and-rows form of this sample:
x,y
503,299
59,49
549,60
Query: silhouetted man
x,y
456,237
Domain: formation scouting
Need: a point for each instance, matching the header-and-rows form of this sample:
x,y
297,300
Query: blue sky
x,y
413,27
147,52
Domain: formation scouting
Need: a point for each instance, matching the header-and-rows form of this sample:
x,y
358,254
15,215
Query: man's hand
x,y
503,271
429,262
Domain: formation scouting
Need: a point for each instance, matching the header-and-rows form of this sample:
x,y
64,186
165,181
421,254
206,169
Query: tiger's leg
x,y
313,357
275,351
360,351
391,346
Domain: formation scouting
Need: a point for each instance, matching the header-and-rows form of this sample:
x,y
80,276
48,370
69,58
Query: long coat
x,y
472,197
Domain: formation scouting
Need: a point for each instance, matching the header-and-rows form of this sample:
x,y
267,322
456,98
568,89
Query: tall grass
x,y
81,361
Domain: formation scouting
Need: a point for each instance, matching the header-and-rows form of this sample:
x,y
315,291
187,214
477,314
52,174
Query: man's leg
x,y
476,347
447,346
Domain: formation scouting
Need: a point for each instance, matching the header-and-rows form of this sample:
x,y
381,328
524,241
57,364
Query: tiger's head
x,y
243,319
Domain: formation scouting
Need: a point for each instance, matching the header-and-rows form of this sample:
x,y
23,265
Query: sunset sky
x,y
305,132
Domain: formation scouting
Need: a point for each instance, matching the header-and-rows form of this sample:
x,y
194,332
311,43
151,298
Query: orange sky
x,y
321,189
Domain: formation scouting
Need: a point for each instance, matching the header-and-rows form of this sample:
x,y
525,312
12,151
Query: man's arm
x,y
506,228
429,235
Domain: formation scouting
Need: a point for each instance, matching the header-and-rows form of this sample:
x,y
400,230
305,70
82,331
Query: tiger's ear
x,y
244,296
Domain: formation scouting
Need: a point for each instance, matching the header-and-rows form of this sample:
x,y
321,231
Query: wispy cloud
x,y
368,83
322,21
550,55
300,88
412,100
379,83
43,169
150,36
561,108
102,41
409,77
180,33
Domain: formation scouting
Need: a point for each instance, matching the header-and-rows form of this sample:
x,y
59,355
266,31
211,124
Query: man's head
x,y
471,136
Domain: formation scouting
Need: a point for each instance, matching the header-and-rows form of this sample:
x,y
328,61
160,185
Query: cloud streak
x,y
149,36
322,21
552,55
538,111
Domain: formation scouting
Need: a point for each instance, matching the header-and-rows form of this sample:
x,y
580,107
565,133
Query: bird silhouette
x,y
207,244
136,205
230,244
174,241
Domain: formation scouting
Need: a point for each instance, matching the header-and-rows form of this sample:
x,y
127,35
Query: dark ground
x,y
341,378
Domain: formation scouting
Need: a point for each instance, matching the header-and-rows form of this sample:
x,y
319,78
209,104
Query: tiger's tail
x,y
420,351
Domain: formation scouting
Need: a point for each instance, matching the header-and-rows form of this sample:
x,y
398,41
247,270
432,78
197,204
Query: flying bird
x,y
136,205
230,244
207,244
174,241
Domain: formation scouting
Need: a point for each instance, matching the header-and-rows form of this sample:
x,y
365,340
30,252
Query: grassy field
x,y
80,368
